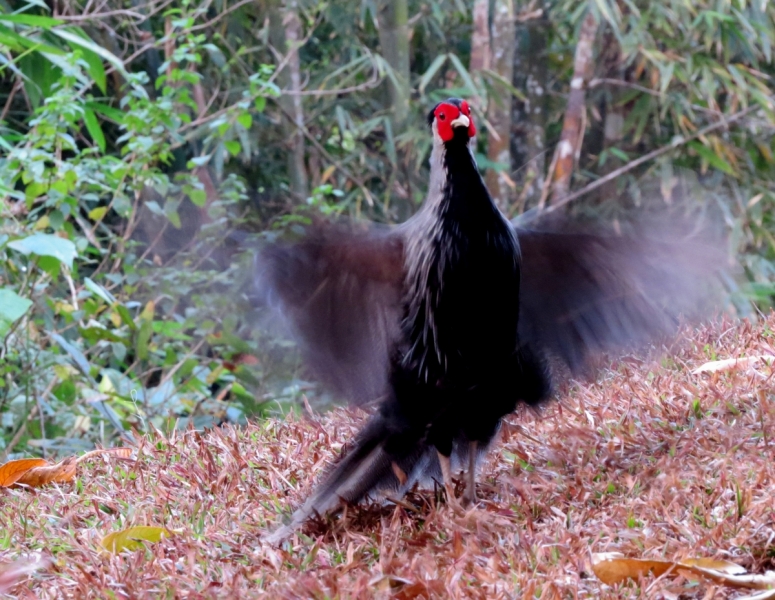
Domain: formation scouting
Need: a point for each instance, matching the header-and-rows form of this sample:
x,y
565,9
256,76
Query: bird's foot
x,y
469,495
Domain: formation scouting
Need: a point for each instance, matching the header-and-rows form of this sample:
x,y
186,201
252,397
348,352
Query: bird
x,y
442,325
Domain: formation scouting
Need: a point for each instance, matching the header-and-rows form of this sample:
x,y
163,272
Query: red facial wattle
x,y
446,113
467,112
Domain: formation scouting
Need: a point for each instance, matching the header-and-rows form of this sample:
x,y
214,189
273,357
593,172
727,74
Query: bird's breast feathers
x,y
454,274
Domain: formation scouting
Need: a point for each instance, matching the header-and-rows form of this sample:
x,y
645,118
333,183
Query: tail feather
x,y
366,471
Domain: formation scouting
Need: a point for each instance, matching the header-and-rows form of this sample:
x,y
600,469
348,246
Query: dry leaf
x,y
133,538
11,471
62,472
327,173
119,452
36,472
727,364
612,568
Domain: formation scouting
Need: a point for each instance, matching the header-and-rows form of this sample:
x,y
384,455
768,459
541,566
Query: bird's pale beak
x,y
461,121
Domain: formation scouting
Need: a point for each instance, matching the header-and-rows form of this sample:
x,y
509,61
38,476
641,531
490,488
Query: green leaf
x,y
126,317
464,75
134,538
39,75
74,38
94,129
501,80
11,41
96,334
98,290
119,350
96,214
49,265
45,244
713,159
28,42
35,190
170,329
56,218
12,308
96,69
431,71
245,120
620,154
198,197
111,113
31,20
142,339
608,14
199,161
171,212
78,358
233,147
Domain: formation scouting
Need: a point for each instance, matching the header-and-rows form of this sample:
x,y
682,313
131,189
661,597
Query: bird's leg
x,y
446,475
469,495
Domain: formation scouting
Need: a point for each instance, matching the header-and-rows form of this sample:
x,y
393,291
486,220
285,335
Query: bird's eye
x,y
443,117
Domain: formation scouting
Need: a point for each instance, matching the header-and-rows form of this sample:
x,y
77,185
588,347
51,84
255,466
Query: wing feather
x,y
339,291
589,292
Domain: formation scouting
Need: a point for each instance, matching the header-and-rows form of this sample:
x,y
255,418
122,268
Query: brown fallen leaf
x,y
62,472
133,538
612,568
37,472
11,471
119,452
727,364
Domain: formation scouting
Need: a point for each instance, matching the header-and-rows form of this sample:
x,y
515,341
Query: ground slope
x,y
649,460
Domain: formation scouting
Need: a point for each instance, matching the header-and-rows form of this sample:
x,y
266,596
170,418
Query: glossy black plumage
x,y
449,320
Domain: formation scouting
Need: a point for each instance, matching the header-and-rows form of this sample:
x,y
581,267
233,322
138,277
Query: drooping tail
x,y
366,470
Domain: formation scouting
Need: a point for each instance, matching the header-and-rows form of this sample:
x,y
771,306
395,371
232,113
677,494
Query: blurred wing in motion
x,y
339,291
585,293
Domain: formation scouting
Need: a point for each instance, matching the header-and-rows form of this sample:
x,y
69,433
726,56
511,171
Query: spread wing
x,y
339,291
585,293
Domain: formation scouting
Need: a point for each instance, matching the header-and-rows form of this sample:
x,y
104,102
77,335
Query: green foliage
x,y
701,62
134,138
94,337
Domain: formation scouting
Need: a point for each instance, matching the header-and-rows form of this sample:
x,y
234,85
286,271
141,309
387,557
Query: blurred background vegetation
x,y
137,136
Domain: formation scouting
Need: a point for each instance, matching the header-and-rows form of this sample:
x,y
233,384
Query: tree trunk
x,y
574,122
528,133
394,40
499,106
611,66
285,34
480,49
393,28
480,39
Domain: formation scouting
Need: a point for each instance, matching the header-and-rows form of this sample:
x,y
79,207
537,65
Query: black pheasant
x,y
449,320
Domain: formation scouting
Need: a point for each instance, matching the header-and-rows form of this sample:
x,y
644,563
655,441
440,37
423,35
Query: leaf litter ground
x,y
650,460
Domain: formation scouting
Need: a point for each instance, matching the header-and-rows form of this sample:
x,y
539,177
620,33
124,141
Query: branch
x,y
345,171
597,82
677,142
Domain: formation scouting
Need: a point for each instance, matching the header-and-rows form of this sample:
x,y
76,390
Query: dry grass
x,y
650,461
